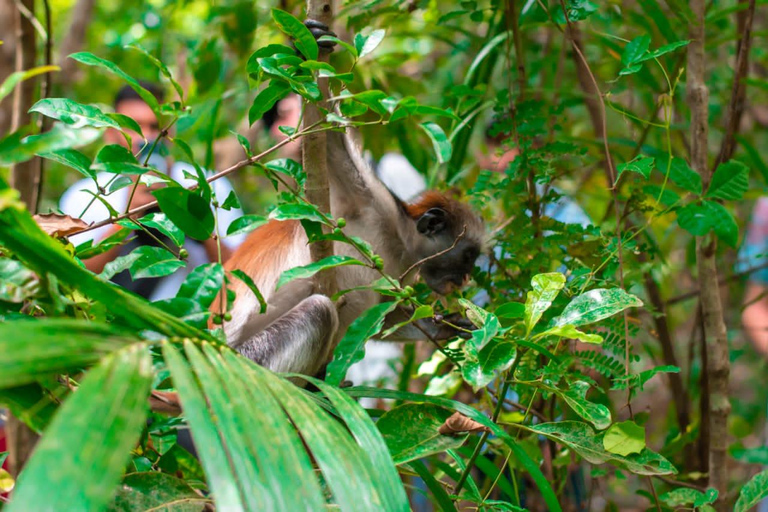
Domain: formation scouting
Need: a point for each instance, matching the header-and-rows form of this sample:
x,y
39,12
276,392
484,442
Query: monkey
x,y
300,327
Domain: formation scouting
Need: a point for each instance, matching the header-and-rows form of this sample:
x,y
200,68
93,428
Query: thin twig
x,y
424,260
218,175
722,281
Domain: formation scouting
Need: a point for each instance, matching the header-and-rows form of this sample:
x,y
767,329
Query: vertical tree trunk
x,y
313,151
73,40
711,307
25,177
7,61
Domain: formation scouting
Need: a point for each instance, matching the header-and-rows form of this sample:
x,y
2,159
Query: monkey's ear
x,y
432,222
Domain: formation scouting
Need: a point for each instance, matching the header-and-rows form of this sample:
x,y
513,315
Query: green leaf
x,y
630,70
160,66
252,286
589,444
92,60
302,37
9,84
203,284
186,310
315,267
289,167
640,164
421,312
162,223
624,438
545,289
245,224
638,380
266,99
39,252
73,113
297,212
411,431
188,210
510,310
439,141
34,349
684,177
751,493
158,491
125,122
730,181
635,49
576,398
570,332
351,478
666,196
205,432
231,201
686,496
757,455
94,431
17,283
16,148
667,48
72,158
480,368
351,49
253,67
701,218
154,262
367,434
366,44
518,452
595,305
351,347
117,159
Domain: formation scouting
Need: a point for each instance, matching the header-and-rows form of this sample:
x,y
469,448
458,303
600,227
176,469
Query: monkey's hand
x,y
452,325
319,30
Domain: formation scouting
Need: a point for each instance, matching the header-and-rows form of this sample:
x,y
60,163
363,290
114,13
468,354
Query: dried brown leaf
x,y
59,225
457,423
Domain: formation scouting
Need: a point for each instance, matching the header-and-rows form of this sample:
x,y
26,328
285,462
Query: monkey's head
x,y
450,238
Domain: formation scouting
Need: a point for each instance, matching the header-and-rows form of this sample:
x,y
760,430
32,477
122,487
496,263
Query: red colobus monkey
x,y
300,328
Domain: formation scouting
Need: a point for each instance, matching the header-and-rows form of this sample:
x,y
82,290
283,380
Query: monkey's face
x,y
451,271
456,249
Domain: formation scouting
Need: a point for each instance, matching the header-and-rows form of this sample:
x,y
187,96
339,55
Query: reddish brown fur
x,y
258,255
428,200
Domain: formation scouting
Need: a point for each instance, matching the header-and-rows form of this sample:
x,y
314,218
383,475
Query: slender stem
x,y
497,410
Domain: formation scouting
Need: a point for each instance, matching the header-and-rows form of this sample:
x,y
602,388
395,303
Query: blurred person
x,y
76,200
752,255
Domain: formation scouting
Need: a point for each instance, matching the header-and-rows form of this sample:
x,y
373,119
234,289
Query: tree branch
x,y
716,341
314,161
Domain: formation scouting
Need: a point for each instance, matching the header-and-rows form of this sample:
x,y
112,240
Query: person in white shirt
x,y
78,201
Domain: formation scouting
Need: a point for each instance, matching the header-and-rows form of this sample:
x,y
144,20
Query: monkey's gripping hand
x,y
319,30
452,325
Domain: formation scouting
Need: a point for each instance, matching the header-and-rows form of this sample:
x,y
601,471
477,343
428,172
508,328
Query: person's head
x,y
499,155
285,112
129,103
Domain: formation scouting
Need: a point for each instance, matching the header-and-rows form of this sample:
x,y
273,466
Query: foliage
x,y
560,350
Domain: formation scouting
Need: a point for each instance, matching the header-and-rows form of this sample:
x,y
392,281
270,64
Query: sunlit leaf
x,y
752,492
595,305
539,299
73,113
624,438
203,284
439,141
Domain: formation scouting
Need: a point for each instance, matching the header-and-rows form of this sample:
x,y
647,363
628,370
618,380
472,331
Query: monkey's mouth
x,y
449,284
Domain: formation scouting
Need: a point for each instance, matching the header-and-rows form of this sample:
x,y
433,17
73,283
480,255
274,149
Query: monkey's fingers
x,y
319,30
